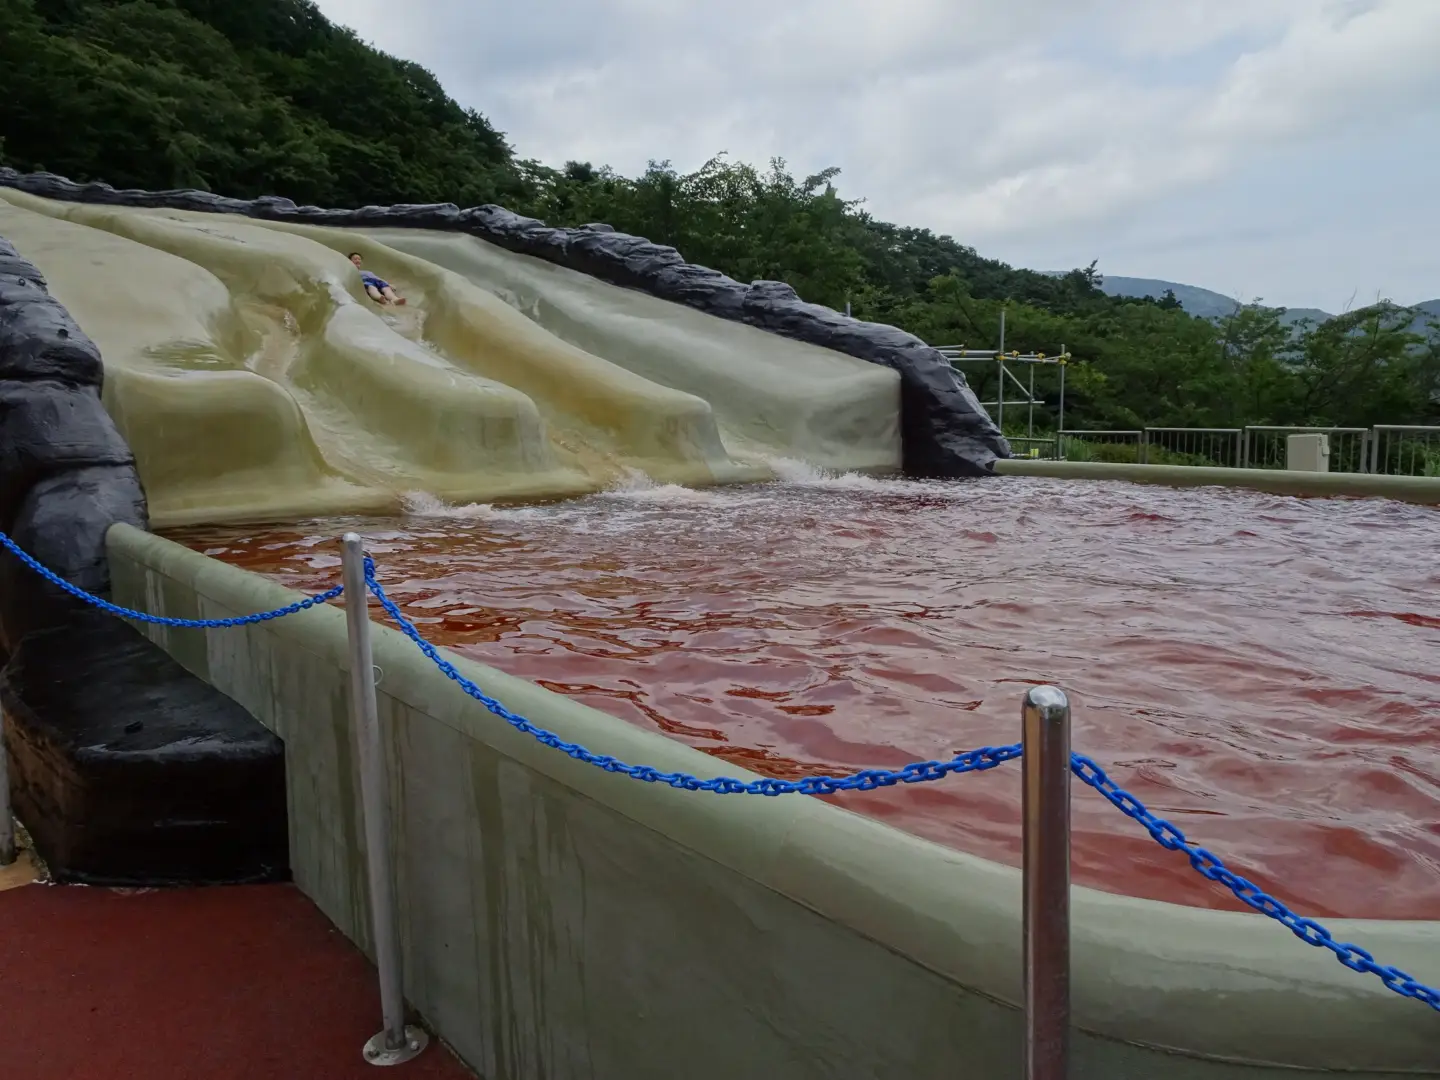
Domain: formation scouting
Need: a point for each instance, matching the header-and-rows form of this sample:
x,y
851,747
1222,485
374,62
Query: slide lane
x,y
253,378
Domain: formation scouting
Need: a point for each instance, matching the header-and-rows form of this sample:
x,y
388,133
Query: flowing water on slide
x,y
1265,671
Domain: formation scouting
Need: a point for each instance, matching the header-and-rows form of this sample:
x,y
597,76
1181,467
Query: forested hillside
x,y
268,97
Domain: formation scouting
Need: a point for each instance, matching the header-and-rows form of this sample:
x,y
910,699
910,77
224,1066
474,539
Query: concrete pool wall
x,y
561,921
1415,489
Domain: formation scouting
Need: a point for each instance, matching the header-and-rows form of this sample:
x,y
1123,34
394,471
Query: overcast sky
x,y
1282,149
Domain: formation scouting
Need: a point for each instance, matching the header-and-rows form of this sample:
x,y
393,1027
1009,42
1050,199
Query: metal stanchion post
x,y
1045,721
7,821
397,1043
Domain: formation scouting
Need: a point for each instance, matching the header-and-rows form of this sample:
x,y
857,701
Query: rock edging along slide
x,y
126,768
66,474
945,430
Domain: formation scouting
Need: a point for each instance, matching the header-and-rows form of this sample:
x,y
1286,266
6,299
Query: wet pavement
x,y
238,983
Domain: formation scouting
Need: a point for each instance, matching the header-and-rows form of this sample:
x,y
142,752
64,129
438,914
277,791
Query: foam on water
x,y
794,473
633,499
424,505
797,473
636,486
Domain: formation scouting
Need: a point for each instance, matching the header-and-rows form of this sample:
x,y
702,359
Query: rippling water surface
x,y
1265,671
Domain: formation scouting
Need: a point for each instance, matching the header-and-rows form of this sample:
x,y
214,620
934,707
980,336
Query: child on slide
x,y
377,288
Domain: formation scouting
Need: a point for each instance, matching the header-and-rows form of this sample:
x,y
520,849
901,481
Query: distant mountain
x,y
1429,319
1197,301
1203,303
1207,304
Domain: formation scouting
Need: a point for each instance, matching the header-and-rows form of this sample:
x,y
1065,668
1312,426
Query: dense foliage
x,y
247,99
268,97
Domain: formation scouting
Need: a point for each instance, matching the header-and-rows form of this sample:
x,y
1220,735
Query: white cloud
x,y
1338,64
1180,27
999,123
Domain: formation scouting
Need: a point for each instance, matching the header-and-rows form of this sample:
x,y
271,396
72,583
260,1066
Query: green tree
x,y
269,97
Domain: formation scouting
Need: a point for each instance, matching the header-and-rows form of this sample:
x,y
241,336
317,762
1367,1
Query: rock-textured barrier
x,y
125,767
945,430
66,475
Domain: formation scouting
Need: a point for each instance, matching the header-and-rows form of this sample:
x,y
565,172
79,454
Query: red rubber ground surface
x,y
246,983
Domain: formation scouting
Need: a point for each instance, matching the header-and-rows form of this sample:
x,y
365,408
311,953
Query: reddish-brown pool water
x,y
1264,671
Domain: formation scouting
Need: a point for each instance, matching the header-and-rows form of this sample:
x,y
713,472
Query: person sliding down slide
x,y
377,288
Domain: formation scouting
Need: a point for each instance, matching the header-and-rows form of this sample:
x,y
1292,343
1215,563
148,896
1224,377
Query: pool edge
x,y
1211,985
1424,490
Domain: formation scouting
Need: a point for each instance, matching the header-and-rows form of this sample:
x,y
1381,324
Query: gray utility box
x,y
1308,453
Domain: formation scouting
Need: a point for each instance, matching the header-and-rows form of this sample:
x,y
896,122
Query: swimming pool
x,y
1262,669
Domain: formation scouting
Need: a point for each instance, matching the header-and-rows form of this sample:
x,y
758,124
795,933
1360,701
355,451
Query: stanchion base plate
x,y
377,1053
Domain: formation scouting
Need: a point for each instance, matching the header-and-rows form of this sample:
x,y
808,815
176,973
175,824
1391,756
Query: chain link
x,y
982,759
1210,866
161,620
986,757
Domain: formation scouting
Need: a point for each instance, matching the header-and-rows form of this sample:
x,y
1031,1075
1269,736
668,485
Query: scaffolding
x,y
959,354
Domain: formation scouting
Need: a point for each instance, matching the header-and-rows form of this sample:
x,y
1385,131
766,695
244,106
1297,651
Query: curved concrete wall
x,y
1416,489
564,922
946,431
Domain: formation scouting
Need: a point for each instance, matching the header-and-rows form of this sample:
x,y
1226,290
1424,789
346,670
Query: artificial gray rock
x,y
127,769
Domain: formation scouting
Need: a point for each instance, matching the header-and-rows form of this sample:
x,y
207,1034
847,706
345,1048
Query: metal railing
x,y
1034,446
1394,449
1045,871
1266,446
1405,449
1081,445
397,1042
1223,447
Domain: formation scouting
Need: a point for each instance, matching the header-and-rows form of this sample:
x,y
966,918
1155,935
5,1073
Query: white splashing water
x,y
423,504
636,486
637,489
797,473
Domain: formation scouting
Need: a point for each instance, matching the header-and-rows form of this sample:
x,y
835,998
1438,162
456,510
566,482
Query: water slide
x,y
252,377
173,358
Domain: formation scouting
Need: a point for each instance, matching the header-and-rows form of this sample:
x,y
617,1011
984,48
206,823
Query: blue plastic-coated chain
x,y
161,620
1209,866
1164,833
986,757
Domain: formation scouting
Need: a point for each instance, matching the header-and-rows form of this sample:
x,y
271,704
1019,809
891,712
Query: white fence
x,y
1405,449
1392,449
